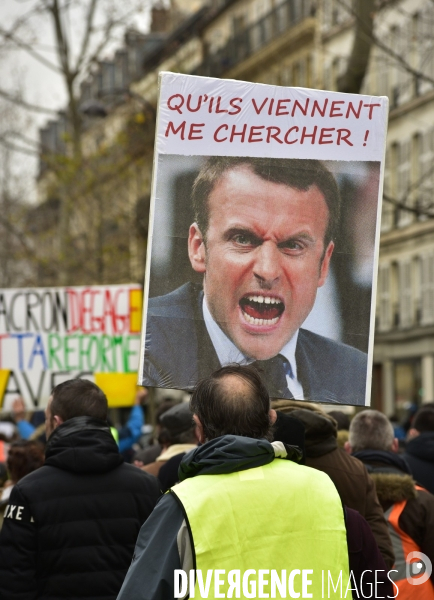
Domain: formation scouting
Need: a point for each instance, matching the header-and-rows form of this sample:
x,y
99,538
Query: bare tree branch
x,y
351,81
108,27
7,144
62,44
413,209
22,137
87,34
365,29
8,36
19,235
27,105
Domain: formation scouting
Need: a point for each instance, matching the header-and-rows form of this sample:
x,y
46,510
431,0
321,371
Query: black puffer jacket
x,y
419,454
71,526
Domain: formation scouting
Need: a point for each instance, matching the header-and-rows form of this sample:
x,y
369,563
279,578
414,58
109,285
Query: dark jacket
x,y
394,483
164,541
354,485
71,525
419,454
179,352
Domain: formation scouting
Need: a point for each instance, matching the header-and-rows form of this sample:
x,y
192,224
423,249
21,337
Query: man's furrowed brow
x,y
302,236
234,231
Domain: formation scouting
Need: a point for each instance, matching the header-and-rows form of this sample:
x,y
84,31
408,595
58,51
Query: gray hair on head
x,y
370,429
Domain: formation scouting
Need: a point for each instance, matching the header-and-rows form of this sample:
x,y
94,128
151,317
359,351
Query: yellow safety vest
x,y
281,516
115,434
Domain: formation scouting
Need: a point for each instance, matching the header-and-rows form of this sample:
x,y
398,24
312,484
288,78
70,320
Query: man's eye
x,y
243,240
292,245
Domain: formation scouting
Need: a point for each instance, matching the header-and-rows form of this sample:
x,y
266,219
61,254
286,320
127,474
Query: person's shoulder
x,y
181,298
326,347
341,461
335,372
137,476
425,498
37,478
421,447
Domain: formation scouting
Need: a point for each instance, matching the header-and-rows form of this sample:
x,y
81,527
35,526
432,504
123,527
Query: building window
x,y
426,50
286,75
403,170
405,294
427,289
424,185
382,67
309,74
417,293
400,42
408,383
384,299
403,48
387,208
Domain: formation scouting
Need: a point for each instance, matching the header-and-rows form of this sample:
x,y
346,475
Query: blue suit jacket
x,y
179,352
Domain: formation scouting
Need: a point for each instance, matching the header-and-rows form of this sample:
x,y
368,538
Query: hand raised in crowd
x,y
141,396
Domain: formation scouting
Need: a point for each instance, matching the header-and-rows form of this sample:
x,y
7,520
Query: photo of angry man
x,y
264,261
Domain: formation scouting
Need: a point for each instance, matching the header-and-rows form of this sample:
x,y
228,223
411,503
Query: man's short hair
x,y
78,398
300,174
424,419
24,457
370,429
227,409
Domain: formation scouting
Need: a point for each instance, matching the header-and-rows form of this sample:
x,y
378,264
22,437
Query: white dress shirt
x,y
228,353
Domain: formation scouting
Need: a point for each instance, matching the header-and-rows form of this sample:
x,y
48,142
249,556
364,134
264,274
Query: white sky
x,y
40,85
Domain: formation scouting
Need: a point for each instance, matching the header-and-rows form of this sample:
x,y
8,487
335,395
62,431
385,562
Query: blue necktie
x,y
274,372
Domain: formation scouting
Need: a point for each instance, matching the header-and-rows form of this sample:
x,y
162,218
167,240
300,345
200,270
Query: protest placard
x,y
263,238
49,335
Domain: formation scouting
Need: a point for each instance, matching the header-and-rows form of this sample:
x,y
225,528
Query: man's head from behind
x,y
232,401
179,425
371,430
75,398
423,421
263,240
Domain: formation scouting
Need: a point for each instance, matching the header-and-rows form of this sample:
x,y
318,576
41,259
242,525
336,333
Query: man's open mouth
x,y
261,310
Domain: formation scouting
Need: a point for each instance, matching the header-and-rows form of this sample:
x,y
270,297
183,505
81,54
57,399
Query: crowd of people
x,y
253,486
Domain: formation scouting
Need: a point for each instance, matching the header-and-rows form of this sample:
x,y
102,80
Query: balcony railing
x,y
247,42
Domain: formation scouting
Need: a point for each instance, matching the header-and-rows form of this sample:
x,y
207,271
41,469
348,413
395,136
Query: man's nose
x,y
267,264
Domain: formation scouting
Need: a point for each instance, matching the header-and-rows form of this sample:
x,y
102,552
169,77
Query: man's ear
x,y
199,430
57,421
395,445
196,248
412,433
324,269
273,415
347,447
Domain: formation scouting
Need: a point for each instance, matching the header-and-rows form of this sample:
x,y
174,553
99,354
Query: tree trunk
x,y
351,81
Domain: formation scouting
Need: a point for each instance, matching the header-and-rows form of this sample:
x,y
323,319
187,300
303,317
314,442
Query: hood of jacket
x,y
393,488
320,429
83,445
422,446
391,473
230,453
384,461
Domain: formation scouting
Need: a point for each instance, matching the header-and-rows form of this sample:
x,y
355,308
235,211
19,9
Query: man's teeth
x,y
263,299
254,321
